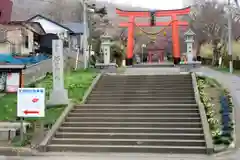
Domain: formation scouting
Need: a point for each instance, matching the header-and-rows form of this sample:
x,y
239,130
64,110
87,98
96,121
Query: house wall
x,y
5,48
17,40
24,50
75,40
5,10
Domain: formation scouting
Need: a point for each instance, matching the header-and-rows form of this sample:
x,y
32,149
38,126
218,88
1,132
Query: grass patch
x,y
211,93
77,82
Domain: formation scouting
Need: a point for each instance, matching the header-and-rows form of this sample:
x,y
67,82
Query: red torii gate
x,y
159,13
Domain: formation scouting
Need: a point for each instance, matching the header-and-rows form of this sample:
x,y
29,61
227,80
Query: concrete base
x,y
8,130
129,61
176,60
154,65
109,68
189,66
58,97
7,134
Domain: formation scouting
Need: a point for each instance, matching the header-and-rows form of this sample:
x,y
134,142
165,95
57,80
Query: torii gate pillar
x,y
129,57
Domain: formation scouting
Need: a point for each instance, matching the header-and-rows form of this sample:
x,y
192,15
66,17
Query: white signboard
x,y
31,102
13,82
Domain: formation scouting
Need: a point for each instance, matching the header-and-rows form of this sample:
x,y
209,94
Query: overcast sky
x,y
154,4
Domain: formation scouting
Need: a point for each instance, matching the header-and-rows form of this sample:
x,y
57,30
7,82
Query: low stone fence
x,y
38,71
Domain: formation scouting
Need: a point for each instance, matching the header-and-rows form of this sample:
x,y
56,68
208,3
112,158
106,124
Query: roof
x,y
76,27
189,33
15,66
35,25
41,16
14,25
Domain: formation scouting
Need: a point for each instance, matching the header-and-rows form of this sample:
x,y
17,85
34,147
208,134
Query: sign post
x,y
30,103
59,95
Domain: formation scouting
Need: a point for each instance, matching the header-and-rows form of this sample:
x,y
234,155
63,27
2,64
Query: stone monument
x,y
105,46
59,95
189,39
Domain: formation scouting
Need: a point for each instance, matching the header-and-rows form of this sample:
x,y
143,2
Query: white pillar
x,y
190,51
106,48
124,63
106,52
189,39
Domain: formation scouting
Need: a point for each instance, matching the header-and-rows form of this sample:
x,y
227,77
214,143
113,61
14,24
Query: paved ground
x,y
108,156
116,156
229,81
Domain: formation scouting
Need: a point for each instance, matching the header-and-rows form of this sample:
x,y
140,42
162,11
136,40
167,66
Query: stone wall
x,y
38,71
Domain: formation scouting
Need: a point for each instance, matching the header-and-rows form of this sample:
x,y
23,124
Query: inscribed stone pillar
x,y
59,95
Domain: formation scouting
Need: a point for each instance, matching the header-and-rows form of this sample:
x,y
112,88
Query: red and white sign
x,y
13,82
31,102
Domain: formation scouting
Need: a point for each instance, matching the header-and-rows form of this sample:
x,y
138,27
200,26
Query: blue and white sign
x,y
31,102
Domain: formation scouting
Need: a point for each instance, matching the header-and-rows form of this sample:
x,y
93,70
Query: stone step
x,y
135,97
128,148
131,130
135,124
141,94
140,101
132,119
148,92
146,77
139,142
130,91
161,106
139,87
135,115
146,82
97,135
134,110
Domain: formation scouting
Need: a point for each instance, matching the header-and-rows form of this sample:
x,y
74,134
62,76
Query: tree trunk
x,y
198,51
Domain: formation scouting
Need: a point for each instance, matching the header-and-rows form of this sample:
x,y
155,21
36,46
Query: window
x,y
26,42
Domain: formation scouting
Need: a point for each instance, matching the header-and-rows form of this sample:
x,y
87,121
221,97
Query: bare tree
x,y
65,11
209,23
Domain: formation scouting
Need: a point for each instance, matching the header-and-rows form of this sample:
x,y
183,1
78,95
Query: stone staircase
x,y
147,114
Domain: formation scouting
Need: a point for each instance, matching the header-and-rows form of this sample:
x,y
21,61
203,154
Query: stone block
x,y
58,97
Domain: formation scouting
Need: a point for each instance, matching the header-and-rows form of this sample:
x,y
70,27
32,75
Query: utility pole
x,y
230,38
85,36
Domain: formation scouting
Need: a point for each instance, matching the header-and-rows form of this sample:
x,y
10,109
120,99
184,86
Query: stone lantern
x,y
105,47
189,39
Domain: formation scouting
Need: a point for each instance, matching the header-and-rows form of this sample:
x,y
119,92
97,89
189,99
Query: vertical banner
x,y
3,78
